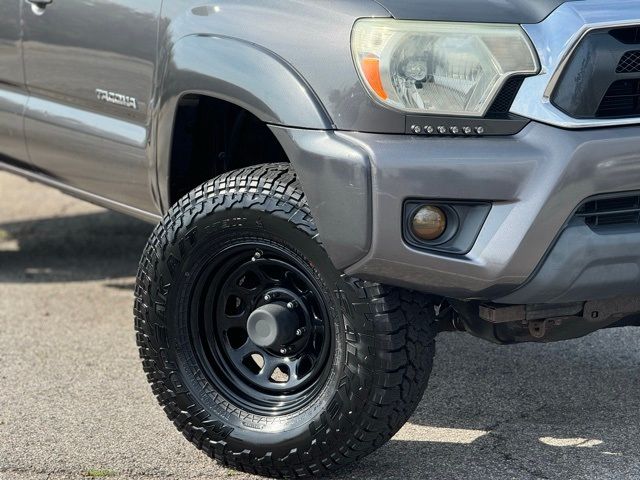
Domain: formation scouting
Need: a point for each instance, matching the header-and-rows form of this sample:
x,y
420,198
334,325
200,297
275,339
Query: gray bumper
x,y
584,265
356,184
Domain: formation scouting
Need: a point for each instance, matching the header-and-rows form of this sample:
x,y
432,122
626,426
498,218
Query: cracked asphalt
x,y
74,402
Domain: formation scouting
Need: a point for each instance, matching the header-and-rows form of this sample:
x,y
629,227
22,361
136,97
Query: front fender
x,y
236,71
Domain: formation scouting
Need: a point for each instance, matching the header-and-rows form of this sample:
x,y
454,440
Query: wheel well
x,y
211,137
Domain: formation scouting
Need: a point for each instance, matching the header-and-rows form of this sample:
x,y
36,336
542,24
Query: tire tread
x,y
389,356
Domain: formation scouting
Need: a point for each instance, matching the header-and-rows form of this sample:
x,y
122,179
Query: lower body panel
x,y
534,181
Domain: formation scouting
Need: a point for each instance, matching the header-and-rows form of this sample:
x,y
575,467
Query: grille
x,y
621,100
504,100
629,63
628,35
611,211
602,85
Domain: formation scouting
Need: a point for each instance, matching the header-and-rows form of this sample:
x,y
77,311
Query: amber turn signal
x,y
371,70
429,223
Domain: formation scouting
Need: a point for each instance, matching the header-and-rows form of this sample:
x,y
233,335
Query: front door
x,y
89,67
13,96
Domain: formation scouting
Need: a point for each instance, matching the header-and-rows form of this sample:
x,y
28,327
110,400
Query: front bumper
x,y
356,184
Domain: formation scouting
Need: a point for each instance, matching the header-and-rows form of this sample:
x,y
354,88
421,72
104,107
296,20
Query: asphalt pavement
x,y
74,402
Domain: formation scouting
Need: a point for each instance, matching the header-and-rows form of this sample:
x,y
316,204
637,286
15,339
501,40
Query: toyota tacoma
x,y
334,183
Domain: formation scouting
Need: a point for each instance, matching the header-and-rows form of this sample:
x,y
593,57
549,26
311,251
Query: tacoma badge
x,y
117,99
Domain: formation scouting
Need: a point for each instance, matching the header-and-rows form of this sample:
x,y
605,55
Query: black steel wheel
x,y
260,352
262,327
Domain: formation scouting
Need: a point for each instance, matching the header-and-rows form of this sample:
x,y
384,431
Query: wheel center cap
x,y
272,325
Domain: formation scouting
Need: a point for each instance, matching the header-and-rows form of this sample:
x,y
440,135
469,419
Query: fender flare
x,y
236,71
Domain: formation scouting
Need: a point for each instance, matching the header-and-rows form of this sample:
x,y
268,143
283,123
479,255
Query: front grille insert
x,y
602,78
627,35
611,211
621,100
629,63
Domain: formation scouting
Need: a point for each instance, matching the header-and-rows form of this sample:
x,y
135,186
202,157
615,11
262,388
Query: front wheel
x,y
260,352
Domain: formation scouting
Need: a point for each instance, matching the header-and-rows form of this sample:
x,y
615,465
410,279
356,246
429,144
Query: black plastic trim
x,y
589,74
503,101
500,126
610,212
464,222
627,35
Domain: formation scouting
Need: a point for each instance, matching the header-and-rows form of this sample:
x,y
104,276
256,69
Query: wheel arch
x,y
235,71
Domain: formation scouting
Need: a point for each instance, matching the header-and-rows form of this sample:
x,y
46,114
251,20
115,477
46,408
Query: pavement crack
x,y
499,442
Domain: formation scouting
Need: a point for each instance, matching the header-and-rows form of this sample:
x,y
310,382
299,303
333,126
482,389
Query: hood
x,y
491,11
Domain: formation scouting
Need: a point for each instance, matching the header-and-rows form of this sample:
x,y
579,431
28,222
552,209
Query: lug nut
x,y
291,305
256,256
268,298
283,351
300,331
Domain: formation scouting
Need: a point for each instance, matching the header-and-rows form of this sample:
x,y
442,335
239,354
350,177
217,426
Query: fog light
x,y
428,223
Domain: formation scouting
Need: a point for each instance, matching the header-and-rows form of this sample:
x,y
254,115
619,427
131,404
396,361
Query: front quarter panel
x,y
313,38
238,72
244,74
289,63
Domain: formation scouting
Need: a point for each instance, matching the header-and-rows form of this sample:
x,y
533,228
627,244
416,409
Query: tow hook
x,y
538,328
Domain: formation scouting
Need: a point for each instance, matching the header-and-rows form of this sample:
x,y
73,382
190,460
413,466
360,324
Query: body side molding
x,y
151,217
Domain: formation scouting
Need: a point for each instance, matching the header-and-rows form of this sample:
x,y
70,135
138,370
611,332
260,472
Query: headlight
x,y
439,67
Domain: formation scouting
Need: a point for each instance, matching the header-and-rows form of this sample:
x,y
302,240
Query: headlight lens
x,y
439,67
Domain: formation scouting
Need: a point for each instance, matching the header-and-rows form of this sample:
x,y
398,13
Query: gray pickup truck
x,y
334,183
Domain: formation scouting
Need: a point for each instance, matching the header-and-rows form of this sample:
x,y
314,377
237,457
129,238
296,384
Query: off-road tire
x,y
384,336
